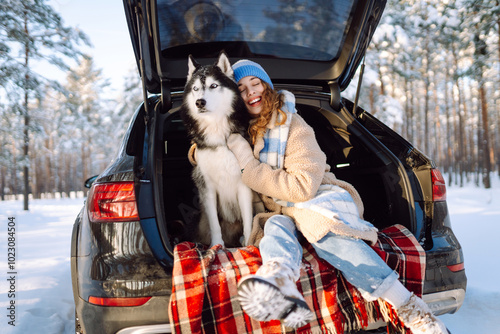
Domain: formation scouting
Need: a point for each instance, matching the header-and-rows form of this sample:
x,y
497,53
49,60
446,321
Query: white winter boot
x,y
417,316
271,294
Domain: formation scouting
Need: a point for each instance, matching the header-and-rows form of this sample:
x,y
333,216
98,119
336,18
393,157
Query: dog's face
x,y
210,89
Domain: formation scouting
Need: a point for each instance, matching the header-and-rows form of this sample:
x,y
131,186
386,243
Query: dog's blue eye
x,y
195,88
214,85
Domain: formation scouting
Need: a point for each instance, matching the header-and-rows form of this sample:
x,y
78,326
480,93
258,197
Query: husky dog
x,y
212,109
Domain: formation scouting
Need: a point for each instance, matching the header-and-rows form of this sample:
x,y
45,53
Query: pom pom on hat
x,y
244,68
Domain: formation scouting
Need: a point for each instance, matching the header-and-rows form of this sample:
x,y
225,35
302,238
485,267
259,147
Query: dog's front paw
x,y
216,242
244,241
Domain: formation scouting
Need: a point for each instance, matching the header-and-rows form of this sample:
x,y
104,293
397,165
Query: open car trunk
x,y
311,49
353,153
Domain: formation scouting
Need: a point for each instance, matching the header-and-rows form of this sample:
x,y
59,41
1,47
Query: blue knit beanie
x,y
244,68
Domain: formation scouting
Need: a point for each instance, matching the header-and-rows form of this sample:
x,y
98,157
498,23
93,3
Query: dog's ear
x,y
192,66
224,64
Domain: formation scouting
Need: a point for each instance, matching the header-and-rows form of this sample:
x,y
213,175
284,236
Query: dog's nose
x,y
200,103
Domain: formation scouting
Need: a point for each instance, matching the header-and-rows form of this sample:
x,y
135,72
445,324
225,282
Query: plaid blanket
x,y
204,293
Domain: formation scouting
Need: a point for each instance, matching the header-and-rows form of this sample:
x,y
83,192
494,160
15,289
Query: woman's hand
x,y
241,149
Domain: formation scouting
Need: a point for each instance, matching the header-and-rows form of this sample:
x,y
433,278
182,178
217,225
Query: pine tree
x,y
84,85
481,23
32,31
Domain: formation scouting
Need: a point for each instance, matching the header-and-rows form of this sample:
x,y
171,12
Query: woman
x,y
288,169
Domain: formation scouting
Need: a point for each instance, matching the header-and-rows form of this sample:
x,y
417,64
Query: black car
x,y
123,239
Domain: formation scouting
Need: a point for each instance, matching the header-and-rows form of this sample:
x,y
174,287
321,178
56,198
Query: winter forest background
x,y
432,74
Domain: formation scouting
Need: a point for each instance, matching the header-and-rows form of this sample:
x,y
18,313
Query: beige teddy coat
x,y
304,170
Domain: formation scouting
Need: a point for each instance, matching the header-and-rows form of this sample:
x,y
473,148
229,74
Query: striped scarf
x,y
275,138
331,201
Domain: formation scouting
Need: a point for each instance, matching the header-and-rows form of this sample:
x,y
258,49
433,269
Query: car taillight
x,y
112,202
119,302
457,267
438,186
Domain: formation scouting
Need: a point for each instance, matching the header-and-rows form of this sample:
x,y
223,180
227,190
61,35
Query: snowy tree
x,y
482,18
84,85
439,61
32,31
128,101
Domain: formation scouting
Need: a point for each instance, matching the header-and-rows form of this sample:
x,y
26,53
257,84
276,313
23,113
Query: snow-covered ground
x,y
44,300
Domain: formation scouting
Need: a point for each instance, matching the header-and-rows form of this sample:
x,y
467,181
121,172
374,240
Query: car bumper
x,y
446,301
152,329
151,317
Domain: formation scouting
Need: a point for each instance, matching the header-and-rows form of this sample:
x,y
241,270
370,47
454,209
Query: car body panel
x,y
101,319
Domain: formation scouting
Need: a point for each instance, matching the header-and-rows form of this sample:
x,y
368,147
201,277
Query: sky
x,y
104,23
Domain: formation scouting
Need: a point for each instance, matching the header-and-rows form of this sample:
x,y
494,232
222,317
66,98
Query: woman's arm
x,y
304,166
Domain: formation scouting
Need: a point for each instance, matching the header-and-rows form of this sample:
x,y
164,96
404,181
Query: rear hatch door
x,y
317,42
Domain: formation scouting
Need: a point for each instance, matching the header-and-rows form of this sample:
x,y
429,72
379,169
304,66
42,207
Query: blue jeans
x,y
357,261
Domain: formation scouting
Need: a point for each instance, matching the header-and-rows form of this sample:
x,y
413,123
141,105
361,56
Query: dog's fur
x,y
212,109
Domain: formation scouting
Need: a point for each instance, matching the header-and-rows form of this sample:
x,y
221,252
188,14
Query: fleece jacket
x,y
304,170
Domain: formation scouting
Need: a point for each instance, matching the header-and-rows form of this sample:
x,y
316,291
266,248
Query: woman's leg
x,y
364,269
358,262
272,292
280,243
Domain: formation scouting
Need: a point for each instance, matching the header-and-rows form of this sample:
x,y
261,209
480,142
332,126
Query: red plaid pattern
x,y
204,293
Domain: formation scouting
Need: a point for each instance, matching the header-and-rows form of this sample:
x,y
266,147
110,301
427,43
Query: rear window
x,y
309,30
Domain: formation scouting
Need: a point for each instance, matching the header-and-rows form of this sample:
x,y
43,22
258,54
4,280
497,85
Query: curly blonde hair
x,y
271,100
